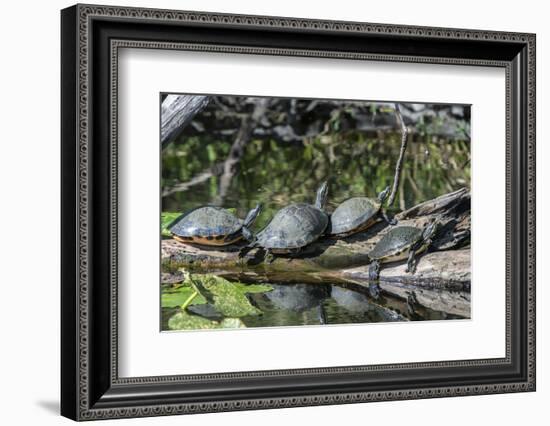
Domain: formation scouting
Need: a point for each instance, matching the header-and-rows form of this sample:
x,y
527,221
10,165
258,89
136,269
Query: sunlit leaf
x,y
231,302
184,321
228,298
206,310
177,297
232,323
253,288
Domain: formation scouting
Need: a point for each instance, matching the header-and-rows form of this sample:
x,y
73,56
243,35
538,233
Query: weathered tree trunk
x,y
177,111
441,281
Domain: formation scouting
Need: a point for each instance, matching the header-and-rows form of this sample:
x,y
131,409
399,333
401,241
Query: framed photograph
x,y
263,212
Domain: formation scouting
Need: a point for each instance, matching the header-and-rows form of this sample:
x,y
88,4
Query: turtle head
x,y
252,215
383,196
322,193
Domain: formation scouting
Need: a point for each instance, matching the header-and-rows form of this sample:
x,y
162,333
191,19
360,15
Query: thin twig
x,y
399,165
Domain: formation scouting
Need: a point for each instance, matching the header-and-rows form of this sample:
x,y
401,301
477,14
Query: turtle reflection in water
x,y
300,298
293,227
359,304
402,242
357,214
213,226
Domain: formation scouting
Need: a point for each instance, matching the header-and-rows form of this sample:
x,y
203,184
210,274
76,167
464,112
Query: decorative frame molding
x,y
91,37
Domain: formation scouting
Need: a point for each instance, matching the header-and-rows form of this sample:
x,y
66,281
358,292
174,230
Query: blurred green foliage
x,y
278,173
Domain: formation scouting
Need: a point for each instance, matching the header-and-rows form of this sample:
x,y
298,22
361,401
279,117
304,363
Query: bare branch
x,y
399,165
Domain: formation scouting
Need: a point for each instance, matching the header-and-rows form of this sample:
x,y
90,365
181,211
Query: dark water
x,y
320,304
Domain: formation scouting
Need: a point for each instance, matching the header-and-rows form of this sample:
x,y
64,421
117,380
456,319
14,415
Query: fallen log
x,y
441,281
177,111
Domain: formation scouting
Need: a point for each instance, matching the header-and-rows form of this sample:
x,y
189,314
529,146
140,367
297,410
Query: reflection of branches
x,y
230,165
399,165
226,169
197,180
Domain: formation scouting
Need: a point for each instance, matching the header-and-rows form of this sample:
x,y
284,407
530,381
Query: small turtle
x,y
401,242
213,226
293,227
357,214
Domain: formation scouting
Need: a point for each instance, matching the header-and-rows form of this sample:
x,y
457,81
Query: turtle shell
x,y
353,215
395,243
293,227
207,225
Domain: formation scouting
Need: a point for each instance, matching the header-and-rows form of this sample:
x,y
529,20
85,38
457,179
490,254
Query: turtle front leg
x,y
374,290
416,249
411,262
251,238
269,257
248,235
412,303
245,250
390,221
374,270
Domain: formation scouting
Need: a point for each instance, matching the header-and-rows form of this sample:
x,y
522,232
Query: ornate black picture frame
x,y
91,36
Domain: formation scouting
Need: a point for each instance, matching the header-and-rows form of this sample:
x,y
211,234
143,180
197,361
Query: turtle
x,y
357,214
293,227
213,226
399,243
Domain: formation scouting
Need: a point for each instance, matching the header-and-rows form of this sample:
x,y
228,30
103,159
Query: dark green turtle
x,y
213,226
357,214
399,243
294,227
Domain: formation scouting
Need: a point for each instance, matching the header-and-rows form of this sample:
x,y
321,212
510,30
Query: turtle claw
x,y
390,221
412,303
374,290
374,271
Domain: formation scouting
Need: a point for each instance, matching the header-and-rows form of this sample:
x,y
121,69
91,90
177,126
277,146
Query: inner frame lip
x,y
117,44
